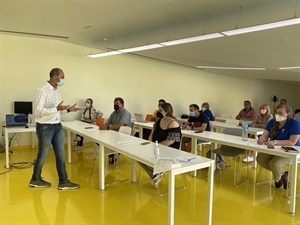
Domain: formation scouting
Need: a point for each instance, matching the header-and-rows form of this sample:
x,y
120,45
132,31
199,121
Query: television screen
x,y
23,107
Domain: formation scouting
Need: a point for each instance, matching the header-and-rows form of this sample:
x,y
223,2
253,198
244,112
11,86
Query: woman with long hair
x,y
261,120
166,131
283,131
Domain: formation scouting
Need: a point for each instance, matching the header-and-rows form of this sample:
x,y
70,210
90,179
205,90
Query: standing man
x,y
119,117
48,107
198,122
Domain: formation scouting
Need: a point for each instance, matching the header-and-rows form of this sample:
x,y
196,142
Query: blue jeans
x,y
50,134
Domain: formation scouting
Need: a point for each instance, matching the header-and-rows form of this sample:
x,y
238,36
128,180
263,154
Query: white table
x,y
11,130
141,153
251,144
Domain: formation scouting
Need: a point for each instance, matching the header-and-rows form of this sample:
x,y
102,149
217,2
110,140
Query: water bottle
x,y
156,150
245,130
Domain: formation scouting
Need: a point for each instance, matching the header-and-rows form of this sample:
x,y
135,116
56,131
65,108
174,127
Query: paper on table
x,y
161,166
127,142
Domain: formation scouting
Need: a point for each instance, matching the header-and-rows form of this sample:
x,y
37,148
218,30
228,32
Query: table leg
x,y
171,198
141,132
293,185
133,171
194,151
101,168
210,193
6,149
69,145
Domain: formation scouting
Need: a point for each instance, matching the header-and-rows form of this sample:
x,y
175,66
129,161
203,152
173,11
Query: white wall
x,y
26,62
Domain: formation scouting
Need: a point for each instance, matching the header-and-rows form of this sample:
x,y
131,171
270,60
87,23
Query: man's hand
x,y
62,107
103,127
73,108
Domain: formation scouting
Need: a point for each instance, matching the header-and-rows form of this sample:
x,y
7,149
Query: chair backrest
x,y
148,117
100,121
125,130
233,131
229,116
232,121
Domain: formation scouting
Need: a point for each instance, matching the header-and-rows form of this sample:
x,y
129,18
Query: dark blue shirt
x,y
198,121
291,127
209,114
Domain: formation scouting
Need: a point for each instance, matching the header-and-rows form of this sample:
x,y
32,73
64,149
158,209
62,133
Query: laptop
x,y
139,118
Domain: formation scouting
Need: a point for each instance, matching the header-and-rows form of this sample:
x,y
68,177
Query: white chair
x,y
227,116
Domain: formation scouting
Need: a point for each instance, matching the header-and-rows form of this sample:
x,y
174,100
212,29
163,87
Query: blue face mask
x,y
192,114
87,105
61,82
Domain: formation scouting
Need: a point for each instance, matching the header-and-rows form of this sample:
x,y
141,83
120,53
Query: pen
x,y
191,158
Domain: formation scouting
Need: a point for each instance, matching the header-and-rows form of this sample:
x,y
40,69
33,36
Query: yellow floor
x,y
128,203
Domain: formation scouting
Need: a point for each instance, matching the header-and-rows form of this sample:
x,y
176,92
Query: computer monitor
x,y
23,107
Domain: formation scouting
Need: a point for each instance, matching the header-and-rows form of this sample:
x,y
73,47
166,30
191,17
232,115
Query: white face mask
x,y
87,105
279,118
203,109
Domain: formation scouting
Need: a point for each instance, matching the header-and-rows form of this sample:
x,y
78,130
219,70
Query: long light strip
x,y
97,55
262,27
229,68
290,68
141,48
192,39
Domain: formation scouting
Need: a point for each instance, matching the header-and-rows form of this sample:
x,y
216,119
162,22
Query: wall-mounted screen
x,y
23,107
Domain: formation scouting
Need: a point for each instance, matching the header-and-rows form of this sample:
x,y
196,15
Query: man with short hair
x,y
48,108
247,112
198,122
119,117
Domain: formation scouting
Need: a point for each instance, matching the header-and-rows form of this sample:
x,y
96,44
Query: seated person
x,y
260,121
283,131
247,113
283,101
157,114
89,115
198,122
205,109
297,115
119,117
166,131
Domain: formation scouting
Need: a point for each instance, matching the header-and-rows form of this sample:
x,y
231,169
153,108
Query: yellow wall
x,y
26,62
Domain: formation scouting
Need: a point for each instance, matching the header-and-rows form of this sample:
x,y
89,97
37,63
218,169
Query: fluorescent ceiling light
x,y
97,55
262,27
141,48
229,68
290,68
192,39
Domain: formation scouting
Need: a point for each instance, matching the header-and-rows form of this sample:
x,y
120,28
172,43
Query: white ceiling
x,y
117,24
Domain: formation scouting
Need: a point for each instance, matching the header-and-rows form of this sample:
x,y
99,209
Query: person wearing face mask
x,y
48,107
198,122
166,131
119,117
157,114
283,131
260,121
247,112
89,115
205,109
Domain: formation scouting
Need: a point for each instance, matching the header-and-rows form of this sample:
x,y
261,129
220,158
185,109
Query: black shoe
x,y
278,184
284,179
39,183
